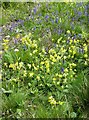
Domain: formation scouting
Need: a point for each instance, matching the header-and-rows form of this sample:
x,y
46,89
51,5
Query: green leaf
x,y
73,115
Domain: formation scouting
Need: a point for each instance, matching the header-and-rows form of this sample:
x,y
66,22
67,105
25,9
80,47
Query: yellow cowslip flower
x,y
52,51
70,50
85,55
72,56
24,73
29,34
60,76
55,55
54,79
16,64
6,41
47,64
51,97
65,57
5,46
38,77
85,48
18,36
34,66
71,41
48,70
29,65
34,45
23,40
65,74
13,79
41,67
74,52
62,50
77,41
5,64
35,51
58,57
21,64
68,31
75,70
31,74
73,47
58,83
42,63
43,50
70,68
56,74
52,101
34,42
59,40
84,45
13,66
73,64
60,103
65,80
66,70
52,58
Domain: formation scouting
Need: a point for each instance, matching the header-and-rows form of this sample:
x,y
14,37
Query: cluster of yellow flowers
x,y
52,101
16,65
5,44
27,40
48,63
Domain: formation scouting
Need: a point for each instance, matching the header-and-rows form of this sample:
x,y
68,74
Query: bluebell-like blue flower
x,y
11,29
39,4
59,31
56,20
15,41
68,41
79,13
74,37
35,10
25,47
46,17
34,28
62,69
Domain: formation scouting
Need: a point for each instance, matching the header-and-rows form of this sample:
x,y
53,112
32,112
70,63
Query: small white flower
x,y
16,50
